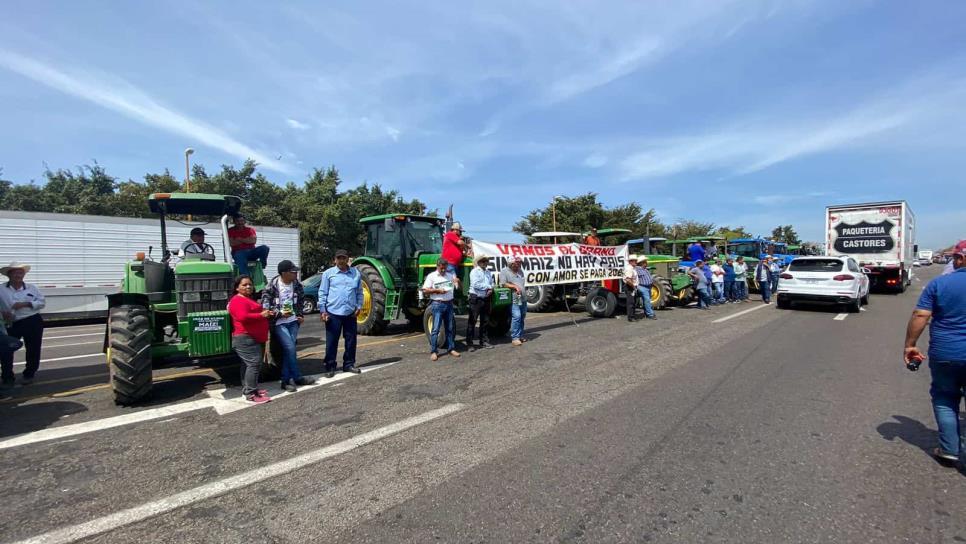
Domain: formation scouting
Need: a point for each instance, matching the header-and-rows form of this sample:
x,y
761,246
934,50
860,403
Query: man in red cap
x,y
942,306
949,268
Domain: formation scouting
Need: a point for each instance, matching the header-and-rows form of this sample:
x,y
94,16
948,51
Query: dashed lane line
x,y
73,336
233,483
741,313
840,317
88,356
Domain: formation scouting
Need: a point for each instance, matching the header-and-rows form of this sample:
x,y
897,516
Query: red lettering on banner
x,y
598,250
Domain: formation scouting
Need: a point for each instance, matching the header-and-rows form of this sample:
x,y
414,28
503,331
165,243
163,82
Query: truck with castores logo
x,y
881,236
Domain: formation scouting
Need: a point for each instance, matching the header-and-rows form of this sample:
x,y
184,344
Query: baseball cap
x,y
341,253
287,266
960,248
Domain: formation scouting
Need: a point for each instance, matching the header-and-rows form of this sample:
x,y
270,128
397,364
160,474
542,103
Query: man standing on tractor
x,y
454,249
631,281
242,240
592,239
481,287
695,252
514,279
340,301
284,296
440,286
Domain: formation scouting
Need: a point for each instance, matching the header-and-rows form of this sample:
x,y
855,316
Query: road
x,y
742,424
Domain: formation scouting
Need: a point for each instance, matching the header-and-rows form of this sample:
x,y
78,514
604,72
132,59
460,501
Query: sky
x,y
751,113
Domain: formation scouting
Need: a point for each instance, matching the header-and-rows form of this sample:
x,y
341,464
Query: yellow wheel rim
x,y
366,304
683,293
655,294
108,356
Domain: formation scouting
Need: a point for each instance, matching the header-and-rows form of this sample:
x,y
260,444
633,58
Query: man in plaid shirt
x,y
644,283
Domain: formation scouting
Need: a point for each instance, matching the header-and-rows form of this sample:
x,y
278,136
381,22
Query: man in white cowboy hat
x,y
21,303
481,287
513,278
454,249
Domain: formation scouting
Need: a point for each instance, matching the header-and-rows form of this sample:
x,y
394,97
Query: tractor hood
x,y
194,204
202,267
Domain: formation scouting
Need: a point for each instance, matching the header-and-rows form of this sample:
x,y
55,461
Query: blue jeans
x,y
774,283
947,391
443,315
346,326
518,314
287,334
765,288
646,297
719,295
242,256
704,297
742,289
729,290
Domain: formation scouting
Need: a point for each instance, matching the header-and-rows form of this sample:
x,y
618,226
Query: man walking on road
x,y
513,278
340,301
944,302
481,287
701,283
631,282
763,276
439,286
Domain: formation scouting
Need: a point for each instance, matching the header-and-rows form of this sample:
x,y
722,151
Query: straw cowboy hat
x,y
14,265
478,258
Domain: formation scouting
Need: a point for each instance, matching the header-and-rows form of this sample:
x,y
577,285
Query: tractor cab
x,y
402,242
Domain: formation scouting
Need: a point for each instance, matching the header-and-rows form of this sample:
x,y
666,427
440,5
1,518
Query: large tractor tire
x,y
660,293
539,298
370,320
685,296
499,323
129,353
600,302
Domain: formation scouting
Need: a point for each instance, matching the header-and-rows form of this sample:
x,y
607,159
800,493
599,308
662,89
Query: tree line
x,y
326,215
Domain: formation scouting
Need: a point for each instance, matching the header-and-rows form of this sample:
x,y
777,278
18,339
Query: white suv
x,y
832,280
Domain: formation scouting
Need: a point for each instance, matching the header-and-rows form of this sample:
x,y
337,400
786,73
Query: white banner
x,y
546,264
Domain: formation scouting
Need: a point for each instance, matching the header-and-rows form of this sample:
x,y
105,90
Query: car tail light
x,y
892,281
785,276
844,277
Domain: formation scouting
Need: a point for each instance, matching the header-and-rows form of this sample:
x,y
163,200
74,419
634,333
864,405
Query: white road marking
x,y
72,344
232,483
862,309
73,336
88,356
223,401
840,317
741,313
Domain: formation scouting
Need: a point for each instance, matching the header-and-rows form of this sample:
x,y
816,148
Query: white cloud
x,y
296,124
595,160
393,133
621,63
128,100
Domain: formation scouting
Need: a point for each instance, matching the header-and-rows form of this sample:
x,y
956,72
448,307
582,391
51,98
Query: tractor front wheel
x,y
129,353
370,320
539,298
660,293
428,327
600,302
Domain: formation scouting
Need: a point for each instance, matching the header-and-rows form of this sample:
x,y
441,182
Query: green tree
x,y
578,214
731,233
687,228
785,233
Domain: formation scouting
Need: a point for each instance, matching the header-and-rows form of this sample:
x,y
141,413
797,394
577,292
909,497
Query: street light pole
x,y
187,173
553,208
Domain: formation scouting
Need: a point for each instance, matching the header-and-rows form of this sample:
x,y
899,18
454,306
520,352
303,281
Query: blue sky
x,y
751,113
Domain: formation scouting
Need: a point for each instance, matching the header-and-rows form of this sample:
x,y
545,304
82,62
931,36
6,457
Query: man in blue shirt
x,y
340,301
729,281
695,252
943,301
481,287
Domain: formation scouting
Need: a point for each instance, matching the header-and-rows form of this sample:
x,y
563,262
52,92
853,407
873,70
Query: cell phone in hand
x,y
913,365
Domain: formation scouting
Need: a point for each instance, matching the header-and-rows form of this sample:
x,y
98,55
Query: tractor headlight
x,y
191,297
219,295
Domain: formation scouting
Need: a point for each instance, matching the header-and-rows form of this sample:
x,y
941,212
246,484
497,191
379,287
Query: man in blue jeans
x,y
944,302
513,278
763,277
242,240
284,296
701,284
340,301
440,286
644,282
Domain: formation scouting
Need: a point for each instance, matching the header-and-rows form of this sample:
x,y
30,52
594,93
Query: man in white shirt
x,y
741,279
196,247
631,281
440,286
21,303
717,281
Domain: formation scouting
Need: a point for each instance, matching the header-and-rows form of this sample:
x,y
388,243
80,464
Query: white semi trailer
x,y
76,260
881,236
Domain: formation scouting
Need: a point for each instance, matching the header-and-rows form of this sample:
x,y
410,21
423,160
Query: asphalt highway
x,y
745,423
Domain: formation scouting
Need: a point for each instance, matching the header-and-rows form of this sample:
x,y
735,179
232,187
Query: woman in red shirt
x,y
249,334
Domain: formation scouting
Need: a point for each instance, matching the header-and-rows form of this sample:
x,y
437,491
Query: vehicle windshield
x,y
312,281
424,236
815,265
746,249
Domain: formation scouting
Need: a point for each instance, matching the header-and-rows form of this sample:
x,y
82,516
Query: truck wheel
x,y
129,354
783,303
600,302
370,319
539,298
415,320
660,293
309,306
865,299
855,306
428,327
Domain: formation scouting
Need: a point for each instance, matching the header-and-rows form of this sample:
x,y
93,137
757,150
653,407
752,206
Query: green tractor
x,y
167,310
671,284
401,249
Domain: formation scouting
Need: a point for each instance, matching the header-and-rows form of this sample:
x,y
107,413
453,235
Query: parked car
x,y
830,280
310,286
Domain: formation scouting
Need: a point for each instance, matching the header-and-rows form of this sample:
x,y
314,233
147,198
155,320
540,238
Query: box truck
x,y
881,236
77,260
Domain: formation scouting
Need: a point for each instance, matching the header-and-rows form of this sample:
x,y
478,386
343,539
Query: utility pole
x,y
187,173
